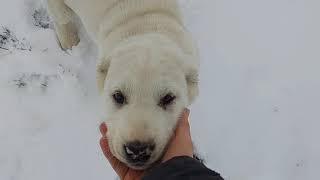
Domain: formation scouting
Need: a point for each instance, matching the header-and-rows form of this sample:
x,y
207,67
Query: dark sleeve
x,y
181,168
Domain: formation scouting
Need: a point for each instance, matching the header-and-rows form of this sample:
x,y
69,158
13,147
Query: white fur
x,y
145,52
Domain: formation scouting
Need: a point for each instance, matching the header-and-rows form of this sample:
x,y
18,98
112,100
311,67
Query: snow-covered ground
x,y
257,118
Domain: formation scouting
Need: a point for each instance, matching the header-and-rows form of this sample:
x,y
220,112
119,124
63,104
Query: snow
x,y
257,116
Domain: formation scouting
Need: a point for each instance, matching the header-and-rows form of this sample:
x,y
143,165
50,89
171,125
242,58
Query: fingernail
x,y
187,111
103,129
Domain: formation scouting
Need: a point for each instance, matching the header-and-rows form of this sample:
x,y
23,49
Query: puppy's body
x,y
145,54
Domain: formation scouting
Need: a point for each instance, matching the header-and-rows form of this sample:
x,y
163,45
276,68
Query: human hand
x,y
180,145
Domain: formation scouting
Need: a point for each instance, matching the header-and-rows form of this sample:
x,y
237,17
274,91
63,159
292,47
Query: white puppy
x,y
147,72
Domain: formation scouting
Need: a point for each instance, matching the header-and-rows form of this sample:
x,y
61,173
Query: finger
x,y
187,111
184,125
103,129
118,166
106,150
183,121
183,135
181,143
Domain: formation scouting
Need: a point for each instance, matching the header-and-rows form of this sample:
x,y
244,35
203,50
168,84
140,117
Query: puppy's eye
x,y
119,98
166,100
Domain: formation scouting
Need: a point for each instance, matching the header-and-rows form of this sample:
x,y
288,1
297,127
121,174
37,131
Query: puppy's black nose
x,y
138,152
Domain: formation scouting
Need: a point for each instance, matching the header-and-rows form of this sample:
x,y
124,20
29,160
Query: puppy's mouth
x,y
138,154
138,165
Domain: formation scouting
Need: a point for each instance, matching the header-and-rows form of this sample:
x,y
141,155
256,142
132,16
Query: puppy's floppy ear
x,y
192,78
191,69
102,71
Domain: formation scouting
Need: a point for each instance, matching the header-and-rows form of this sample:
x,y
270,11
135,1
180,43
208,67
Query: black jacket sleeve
x,y
181,168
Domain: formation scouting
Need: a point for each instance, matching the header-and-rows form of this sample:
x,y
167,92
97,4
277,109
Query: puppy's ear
x,y
191,65
102,71
192,78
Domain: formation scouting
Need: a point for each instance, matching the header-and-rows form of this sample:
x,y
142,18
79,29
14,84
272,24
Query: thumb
x,y
118,166
181,143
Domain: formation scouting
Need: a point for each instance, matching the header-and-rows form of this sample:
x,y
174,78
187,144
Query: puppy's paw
x,y
67,42
67,35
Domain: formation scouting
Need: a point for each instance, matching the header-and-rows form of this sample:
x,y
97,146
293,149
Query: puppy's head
x,y
145,89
